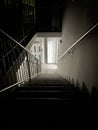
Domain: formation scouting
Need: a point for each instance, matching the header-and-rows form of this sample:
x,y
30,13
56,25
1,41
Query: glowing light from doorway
x,y
51,51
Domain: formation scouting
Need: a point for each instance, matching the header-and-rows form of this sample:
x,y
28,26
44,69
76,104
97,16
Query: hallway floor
x,y
49,68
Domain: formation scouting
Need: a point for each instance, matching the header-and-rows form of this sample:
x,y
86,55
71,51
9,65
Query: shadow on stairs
x,y
48,102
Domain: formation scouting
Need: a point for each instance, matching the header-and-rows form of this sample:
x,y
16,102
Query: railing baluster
x,y
22,65
28,66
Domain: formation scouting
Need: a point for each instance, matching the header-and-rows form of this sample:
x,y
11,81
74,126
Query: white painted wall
x,y
81,65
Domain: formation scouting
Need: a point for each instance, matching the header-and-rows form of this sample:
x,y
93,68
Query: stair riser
x,y
45,95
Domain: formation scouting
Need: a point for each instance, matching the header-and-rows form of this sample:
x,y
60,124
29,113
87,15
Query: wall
x,y
81,64
48,34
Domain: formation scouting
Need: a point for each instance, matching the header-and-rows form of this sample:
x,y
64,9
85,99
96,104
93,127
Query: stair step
x,y
43,87
59,82
43,94
45,84
46,100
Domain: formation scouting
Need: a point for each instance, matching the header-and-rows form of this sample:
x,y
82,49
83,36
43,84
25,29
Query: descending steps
x,y
51,87
48,91
47,101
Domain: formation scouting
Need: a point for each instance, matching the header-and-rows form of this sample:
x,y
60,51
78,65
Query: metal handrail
x,y
29,76
75,43
15,84
14,47
18,43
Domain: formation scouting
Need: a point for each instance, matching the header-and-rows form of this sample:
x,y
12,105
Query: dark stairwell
x,y
30,98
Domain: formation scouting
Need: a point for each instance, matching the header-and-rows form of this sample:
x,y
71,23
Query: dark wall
x,y
48,15
80,64
17,18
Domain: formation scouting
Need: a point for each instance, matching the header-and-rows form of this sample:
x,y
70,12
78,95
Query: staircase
x,y
47,101
45,87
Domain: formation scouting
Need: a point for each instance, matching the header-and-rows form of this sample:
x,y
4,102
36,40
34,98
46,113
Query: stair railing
x,y
17,64
77,42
